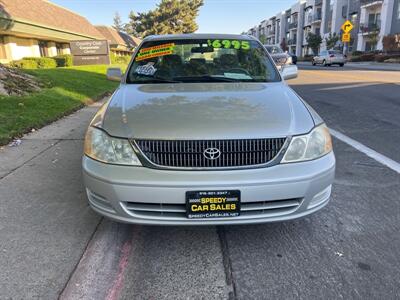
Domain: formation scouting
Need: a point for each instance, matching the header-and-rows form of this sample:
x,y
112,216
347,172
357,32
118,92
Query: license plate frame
x,y
212,204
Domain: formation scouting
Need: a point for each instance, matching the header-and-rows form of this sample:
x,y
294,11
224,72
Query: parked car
x,y
279,56
294,58
329,57
203,130
282,59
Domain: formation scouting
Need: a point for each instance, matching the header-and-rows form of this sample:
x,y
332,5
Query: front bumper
x,y
157,197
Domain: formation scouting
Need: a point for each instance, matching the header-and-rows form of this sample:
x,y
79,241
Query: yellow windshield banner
x,y
155,51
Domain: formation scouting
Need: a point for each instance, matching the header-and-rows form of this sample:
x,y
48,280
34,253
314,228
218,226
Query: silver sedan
x,y
204,130
329,57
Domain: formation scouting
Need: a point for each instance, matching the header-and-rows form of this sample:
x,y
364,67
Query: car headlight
x,y
289,60
315,144
100,146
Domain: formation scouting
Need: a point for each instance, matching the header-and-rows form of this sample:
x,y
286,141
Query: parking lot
x,y
52,244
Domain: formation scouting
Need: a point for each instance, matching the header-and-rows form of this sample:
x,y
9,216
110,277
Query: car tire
x,y
342,65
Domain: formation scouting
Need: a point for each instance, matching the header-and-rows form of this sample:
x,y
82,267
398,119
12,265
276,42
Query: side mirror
x,y
114,74
289,72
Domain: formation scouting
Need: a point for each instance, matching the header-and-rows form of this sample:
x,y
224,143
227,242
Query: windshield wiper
x,y
208,78
215,78
155,80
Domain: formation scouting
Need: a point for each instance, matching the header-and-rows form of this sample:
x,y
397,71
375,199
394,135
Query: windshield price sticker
x,y
155,51
147,69
228,44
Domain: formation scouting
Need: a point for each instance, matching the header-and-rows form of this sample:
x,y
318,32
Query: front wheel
x,y
341,65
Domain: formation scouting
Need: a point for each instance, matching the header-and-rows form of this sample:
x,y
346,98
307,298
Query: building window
x,y
59,48
43,48
398,11
2,50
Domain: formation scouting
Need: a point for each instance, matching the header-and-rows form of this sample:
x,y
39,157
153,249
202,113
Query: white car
x,y
329,57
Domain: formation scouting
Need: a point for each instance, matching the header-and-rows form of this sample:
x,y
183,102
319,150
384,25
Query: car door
x,y
323,56
319,60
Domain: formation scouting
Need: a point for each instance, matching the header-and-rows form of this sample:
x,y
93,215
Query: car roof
x,y
195,36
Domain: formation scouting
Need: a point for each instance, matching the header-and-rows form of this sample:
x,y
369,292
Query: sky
x,y
216,16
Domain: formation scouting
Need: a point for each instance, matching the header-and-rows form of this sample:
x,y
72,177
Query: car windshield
x,y
212,60
274,49
334,52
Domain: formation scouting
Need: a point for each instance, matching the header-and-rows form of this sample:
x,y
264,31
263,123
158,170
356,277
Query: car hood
x,y
206,111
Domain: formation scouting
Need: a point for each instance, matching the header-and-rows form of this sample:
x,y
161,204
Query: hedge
x,y
373,56
43,62
117,60
363,57
383,57
64,60
24,64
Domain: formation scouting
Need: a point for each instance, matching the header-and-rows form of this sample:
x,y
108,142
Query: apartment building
x,y
312,22
372,20
377,19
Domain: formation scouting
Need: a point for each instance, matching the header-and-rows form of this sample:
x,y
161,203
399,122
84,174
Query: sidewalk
x,y
45,221
364,65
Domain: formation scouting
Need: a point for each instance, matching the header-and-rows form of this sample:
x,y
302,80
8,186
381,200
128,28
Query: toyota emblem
x,y
212,153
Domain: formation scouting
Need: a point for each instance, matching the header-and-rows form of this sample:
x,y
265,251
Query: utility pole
x,y
346,44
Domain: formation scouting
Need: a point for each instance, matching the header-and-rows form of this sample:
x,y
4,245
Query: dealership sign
x,y
90,52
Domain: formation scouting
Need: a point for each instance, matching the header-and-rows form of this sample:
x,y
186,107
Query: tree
x,y
314,42
331,40
169,17
284,45
373,39
118,25
263,39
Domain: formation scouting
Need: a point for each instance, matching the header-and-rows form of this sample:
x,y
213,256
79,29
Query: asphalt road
x,y
52,244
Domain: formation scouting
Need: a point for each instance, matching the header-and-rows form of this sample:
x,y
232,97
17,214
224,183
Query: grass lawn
x,y
67,89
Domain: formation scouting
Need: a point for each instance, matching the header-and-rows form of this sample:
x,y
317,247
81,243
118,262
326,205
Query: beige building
x,y
40,28
120,43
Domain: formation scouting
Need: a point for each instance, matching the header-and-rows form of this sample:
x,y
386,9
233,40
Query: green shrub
x,y
24,64
367,57
355,59
43,62
357,53
384,58
119,60
393,60
64,60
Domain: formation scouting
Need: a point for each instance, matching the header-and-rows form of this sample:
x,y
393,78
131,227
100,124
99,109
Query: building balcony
x,y
370,3
318,3
271,32
292,41
316,17
293,25
369,28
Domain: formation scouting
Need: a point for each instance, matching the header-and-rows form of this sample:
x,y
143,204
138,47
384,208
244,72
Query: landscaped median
x,y
65,90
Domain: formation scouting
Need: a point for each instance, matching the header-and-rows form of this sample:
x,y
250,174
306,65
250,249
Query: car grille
x,y
190,153
260,209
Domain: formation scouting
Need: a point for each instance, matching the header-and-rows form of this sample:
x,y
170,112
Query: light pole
x,y
346,44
